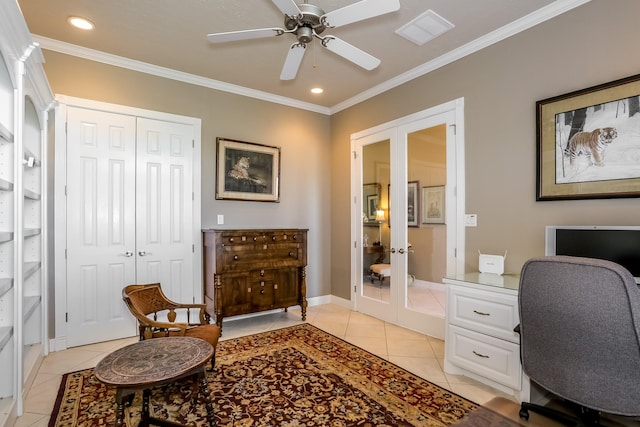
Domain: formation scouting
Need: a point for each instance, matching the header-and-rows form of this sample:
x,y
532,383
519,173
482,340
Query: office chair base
x,y
587,417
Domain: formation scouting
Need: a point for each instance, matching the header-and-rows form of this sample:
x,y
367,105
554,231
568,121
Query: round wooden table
x,y
152,363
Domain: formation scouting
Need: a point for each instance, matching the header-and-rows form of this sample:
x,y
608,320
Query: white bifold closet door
x,y
129,217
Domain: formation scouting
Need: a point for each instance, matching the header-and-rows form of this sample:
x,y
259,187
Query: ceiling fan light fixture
x,y
81,23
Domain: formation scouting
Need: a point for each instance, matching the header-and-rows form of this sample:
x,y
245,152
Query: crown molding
x,y
534,18
537,17
143,67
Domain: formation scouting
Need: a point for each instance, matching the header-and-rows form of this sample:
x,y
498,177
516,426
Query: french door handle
x,y
401,250
128,254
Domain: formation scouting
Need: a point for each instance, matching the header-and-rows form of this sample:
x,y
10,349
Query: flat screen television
x,y
618,244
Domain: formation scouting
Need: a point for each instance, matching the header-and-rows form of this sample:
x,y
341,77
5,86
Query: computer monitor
x,y
618,244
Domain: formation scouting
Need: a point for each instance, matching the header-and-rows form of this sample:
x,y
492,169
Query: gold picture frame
x,y
247,171
588,143
433,205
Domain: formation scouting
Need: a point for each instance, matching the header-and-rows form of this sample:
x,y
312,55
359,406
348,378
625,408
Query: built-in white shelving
x,y
25,98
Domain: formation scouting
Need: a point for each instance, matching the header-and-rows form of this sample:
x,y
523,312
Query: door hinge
x,y
65,254
66,317
193,196
193,248
455,252
355,155
65,190
354,288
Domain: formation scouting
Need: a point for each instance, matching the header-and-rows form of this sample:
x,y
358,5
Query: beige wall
x,y
593,44
303,137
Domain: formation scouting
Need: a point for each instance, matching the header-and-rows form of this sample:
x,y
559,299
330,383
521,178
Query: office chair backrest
x,y
580,331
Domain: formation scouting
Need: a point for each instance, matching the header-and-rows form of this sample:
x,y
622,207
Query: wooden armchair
x,y
150,305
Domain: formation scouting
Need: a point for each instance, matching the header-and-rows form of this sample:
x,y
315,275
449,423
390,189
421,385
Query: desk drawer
x,y
489,313
492,358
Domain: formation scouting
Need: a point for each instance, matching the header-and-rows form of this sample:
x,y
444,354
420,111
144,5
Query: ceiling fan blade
x,y
288,7
359,11
350,52
233,36
292,63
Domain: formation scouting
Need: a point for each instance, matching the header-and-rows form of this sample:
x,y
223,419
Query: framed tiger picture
x,y
588,143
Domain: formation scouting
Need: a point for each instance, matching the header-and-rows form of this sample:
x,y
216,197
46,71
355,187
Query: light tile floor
x,y
417,353
425,297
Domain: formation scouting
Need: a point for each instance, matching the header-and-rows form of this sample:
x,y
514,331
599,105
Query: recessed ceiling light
x,y
82,23
317,90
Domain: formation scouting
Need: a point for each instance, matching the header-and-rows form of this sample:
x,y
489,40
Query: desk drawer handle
x,y
480,313
480,355
235,257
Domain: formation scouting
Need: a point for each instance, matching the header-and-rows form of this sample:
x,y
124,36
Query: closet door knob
x,y
144,253
128,254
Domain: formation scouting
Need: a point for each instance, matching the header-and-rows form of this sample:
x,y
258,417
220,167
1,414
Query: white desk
x,y
482,310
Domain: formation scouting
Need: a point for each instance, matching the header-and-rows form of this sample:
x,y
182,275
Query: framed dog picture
x,y
247,171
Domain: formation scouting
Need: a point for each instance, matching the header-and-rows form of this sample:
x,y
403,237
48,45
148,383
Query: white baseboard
x,y
57,344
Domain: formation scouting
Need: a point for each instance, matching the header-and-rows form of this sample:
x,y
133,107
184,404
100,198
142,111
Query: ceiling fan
x,y
307,22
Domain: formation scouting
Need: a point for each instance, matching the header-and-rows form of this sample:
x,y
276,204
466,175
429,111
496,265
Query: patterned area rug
x,y
292,377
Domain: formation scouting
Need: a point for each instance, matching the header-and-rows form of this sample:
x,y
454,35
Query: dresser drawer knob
x,y
290,253
235,257
480,313
261,273
295,236
255,239
261,291
273,238
275,286
231,239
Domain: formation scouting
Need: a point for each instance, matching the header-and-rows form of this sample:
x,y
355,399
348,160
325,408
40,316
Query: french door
x,y
407,216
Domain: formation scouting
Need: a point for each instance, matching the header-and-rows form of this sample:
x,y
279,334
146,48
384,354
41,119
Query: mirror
x,y
370,203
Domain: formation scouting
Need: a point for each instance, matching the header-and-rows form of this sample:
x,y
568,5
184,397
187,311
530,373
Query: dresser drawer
x,y
489,357
490,313
260,256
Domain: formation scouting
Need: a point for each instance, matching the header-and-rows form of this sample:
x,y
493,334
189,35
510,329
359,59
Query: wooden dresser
x,y
246,271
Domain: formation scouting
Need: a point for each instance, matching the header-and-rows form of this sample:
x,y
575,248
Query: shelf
x,y
5,286
6,332
5,134
5,185
6,236
30,268
28,232
30,306
31,195
35,162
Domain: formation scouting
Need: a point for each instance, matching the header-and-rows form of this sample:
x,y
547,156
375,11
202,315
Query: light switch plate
x,y
471,220
220,219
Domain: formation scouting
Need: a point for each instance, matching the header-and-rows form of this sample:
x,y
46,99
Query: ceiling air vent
x,y
425,27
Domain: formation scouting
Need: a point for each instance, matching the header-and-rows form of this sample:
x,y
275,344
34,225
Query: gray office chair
x,y
580,336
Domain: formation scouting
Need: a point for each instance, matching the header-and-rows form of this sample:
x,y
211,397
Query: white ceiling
x,y
172,34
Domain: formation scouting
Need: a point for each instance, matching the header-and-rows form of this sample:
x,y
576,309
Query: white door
x,y
164,207
100,224
405,160
130,208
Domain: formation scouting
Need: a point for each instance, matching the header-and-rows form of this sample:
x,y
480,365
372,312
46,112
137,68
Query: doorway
x,y
129,182
407,216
